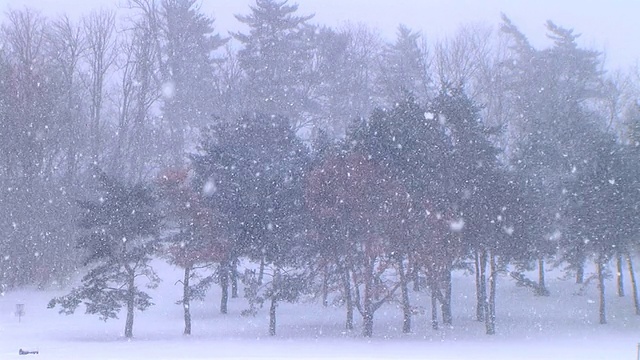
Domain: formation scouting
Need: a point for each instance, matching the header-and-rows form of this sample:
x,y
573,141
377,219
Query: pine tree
x,y
602,205
121,231
551,91
257,168
188,90
277,60
405,67
473,180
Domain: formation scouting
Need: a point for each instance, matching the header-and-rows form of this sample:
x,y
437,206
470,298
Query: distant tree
x,y
33,136
139,147
100,35
277,59
67,47
189,43
121,231
405,65
349,63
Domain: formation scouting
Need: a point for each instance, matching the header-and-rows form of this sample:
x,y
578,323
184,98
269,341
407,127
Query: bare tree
x,y
67,46
404,67
138,91
99,32
25,40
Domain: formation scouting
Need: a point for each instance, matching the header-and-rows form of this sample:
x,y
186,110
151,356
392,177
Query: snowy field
x,y
561,326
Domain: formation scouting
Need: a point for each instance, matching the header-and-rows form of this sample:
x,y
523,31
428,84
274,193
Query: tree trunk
x,y
367,322
367,304
434,310
416,280
348,298
491,305
447,316
131,298
600,270
406,306
224,284
272,316
634,285
481,290
542,287
234,279
619,275
186,297
580,267
325,286
580,274
261,271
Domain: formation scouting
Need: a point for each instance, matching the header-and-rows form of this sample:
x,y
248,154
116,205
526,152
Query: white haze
x,y
609,26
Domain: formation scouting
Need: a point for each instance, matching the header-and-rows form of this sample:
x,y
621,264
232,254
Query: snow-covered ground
x,y
561,326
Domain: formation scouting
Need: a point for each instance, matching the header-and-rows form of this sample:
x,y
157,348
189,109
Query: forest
x,y
299,160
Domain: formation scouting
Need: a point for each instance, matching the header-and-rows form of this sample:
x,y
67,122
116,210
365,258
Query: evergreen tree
x,y
551,91
189,94
405,67
410,144
277,60
256,167
473,180
602,205
121,231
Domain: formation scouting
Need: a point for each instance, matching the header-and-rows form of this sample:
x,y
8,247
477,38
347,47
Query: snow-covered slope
x,y
561,326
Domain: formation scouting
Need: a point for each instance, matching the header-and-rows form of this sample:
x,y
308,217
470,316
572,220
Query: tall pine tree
x,y
121,231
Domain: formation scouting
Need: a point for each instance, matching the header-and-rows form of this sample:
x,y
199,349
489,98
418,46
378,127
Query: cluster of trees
x,y
326,161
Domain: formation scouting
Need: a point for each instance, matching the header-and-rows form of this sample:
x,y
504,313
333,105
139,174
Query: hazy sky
x,y
610,25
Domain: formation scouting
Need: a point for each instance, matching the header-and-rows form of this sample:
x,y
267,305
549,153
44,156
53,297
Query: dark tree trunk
x,y
434,310
186,298
224,285
261,271
348,298
272,316
325,286
481,287
416,280
131,298
234,279
580,274
619,275
541,282
580,266
600,270
447,315
634,284
406,306
367,313
367,323
367,303
491,305
542,287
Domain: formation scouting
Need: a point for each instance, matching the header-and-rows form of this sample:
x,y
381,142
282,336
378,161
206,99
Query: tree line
x,y
331,162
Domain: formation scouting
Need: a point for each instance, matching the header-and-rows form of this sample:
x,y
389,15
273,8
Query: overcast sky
x,y
610,25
